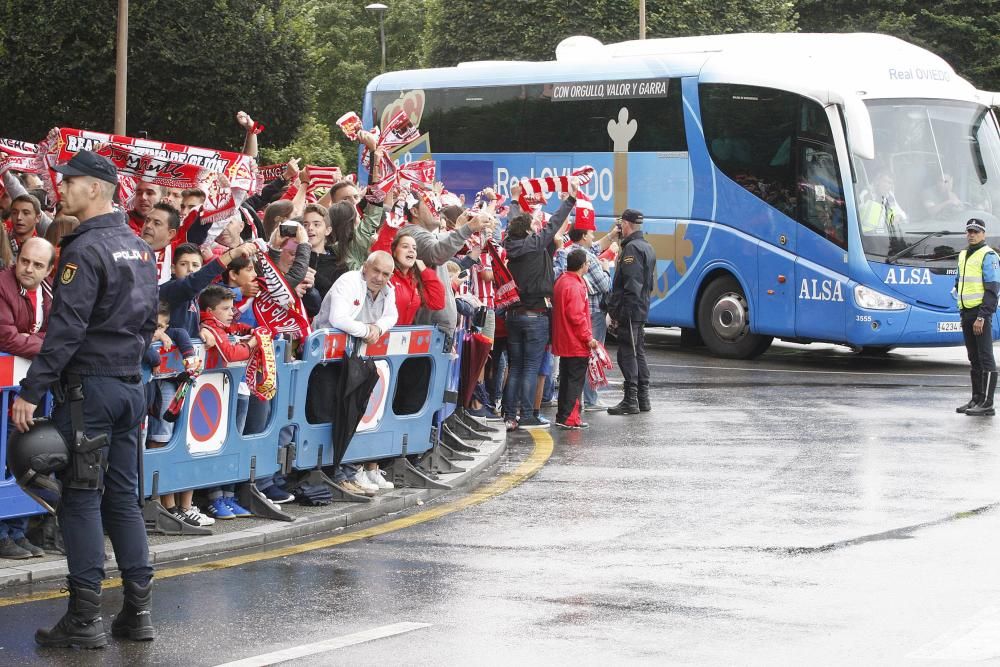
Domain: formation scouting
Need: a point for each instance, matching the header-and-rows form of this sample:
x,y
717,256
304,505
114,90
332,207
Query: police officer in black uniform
x,y
628,307
976,287
102,320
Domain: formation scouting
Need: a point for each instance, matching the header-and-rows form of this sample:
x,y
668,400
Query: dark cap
x,y
975,225
633,216
88,163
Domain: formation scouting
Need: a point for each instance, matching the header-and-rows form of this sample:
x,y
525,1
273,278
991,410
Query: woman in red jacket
x,y
416,285
572,337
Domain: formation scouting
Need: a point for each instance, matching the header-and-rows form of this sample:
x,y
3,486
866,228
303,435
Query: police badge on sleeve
x,y
68,273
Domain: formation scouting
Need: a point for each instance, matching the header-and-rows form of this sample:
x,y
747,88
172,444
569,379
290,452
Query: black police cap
x,y
632,215
88,163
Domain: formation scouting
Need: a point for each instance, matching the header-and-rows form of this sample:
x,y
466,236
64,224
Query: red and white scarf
x,y
262,374
19,156
535,186
277,306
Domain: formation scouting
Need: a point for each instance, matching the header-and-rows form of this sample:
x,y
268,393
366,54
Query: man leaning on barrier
x,y
102,319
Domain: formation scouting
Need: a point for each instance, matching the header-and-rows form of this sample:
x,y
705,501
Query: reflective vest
x,y
970,277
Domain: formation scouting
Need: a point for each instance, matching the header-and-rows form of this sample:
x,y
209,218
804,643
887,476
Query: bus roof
x,y
826,67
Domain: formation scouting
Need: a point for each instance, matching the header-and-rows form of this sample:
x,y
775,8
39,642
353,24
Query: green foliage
x,y
966,33
313,145
683,18
347,54
191,68
461,31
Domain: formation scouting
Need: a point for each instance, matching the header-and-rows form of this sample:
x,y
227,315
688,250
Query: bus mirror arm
x,y
860,136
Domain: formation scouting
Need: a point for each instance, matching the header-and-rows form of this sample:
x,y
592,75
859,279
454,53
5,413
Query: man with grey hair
x,y
362,303
100,326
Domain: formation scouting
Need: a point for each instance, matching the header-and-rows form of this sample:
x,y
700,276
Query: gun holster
x,y
88,461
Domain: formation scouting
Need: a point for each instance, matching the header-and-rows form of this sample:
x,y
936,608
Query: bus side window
x,y
821,198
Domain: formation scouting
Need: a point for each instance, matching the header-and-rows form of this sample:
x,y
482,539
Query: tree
x,y
347,54
699,17
313,145
191,68
459,31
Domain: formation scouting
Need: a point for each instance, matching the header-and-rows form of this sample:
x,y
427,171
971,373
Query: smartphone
x,y
288,229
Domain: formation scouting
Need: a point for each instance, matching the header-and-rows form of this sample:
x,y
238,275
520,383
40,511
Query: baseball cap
x,y
975,225
88,163
632,215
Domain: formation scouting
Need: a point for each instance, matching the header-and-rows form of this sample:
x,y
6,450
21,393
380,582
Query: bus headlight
x,y
868,298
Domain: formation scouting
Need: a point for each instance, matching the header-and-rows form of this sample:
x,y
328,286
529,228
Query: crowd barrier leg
x,y
250,497
317,477
403,473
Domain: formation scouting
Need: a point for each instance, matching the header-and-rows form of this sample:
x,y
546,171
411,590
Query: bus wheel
x,y
875,350
724,321
691,338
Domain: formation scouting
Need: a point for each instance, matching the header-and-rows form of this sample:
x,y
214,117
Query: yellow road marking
x,y
531,465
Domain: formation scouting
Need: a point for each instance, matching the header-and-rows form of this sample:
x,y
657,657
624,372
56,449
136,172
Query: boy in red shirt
x,y
216,303
572,338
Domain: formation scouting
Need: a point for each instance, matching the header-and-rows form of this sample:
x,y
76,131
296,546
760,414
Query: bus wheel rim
x,y
729,317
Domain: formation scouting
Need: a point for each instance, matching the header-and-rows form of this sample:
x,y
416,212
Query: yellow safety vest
x,y
876,216
970,277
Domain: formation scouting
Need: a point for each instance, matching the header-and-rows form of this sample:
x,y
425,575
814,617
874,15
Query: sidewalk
x,y
253,532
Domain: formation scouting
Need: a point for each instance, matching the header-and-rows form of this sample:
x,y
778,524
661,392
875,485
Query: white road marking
x,y
783,370
327,645
974,640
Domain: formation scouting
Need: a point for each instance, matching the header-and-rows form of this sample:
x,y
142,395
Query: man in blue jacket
x,y
102,319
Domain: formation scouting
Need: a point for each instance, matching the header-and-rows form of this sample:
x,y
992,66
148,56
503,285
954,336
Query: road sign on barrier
x,y
208,416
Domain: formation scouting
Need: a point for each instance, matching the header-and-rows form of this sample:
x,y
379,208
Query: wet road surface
x,y
812,506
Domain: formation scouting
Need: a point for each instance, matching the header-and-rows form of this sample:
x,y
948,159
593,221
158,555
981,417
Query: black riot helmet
x,y
33,456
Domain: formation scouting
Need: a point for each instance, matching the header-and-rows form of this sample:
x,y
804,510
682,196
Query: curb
x,y
340,515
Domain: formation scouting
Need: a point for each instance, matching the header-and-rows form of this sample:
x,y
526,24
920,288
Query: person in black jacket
x,y
529,259
628,307
100,326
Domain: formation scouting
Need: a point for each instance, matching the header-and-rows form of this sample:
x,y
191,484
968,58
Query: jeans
x,y
13,528
527,336
499,369
113,407
599,327
548,371
160,430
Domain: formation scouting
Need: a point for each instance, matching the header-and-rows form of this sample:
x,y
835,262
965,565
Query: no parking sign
x,y
208,414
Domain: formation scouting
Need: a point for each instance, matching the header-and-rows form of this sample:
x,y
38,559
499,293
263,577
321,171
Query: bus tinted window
x,y
779,146
526,119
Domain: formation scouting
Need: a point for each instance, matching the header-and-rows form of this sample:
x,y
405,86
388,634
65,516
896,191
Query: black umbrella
x,y
358,377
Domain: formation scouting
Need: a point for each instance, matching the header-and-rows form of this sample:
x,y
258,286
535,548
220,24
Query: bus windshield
x,y
937,164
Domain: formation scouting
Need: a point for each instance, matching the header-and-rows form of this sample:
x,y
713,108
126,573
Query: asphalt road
x,y
809,507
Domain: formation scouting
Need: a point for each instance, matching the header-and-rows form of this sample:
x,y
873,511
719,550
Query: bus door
x,y
821,266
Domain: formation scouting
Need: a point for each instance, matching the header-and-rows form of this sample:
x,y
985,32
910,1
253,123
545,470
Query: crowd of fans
x,y
361,259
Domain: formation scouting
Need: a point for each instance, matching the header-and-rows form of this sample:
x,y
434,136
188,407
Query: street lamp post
x,y
379,10
121,67
642,19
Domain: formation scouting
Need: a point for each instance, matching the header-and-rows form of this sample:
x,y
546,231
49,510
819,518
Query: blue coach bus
x,y
803,186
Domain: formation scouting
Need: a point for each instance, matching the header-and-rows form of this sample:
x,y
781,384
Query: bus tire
x,y
724,321
875,350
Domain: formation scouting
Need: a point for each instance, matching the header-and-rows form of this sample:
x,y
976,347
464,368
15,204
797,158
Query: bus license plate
x,y
945,327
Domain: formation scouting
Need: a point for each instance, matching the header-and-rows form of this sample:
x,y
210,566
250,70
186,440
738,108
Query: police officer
x,y
628,307
976,288
102,319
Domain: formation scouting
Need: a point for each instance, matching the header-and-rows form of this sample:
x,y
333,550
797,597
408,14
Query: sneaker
x,y
548,404
23,542
567,427
481,412
9,549
510,424
534,422
219,509
361,479
377,477
596,407
278,495
352,487
194,517
234,507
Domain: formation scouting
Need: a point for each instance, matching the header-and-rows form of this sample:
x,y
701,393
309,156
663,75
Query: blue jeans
x,y
548,371
527,336
599,327
13,528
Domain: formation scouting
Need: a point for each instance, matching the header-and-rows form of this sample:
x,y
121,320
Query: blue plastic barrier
x,y
13,501
206,450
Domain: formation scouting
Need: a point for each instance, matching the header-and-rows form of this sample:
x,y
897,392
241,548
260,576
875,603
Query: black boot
x,y
82,625
977,392
643,397
629,404
985,409
135,620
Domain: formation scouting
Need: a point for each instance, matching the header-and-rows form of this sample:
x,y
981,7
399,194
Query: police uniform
x,y
976,288
101,323
628,305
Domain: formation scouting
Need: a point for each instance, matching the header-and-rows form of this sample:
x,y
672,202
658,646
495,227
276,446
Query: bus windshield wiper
x,y
905,251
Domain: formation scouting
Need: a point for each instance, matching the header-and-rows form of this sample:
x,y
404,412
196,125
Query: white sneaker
x,y
377,477
195,517
361,479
